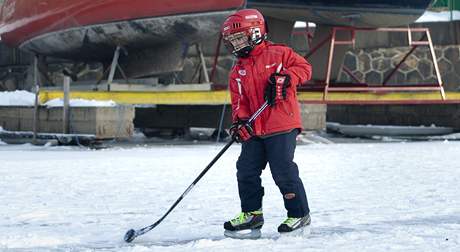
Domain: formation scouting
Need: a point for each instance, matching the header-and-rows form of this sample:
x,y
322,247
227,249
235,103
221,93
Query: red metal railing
x,y
383,87
359,86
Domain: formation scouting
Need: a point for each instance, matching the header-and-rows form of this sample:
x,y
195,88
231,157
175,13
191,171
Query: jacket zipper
x,y
256,89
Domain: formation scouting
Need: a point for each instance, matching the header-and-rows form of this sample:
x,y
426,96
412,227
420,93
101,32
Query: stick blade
x,y
130,236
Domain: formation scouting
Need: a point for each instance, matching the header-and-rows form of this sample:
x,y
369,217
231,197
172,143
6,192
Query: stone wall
x,y
373,65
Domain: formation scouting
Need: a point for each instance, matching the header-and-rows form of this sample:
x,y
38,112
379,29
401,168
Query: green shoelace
x,y
242,217
290,221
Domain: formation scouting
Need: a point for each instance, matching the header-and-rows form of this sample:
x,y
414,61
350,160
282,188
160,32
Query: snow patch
x,y
17,98
80,103
443,16
302,24
25,98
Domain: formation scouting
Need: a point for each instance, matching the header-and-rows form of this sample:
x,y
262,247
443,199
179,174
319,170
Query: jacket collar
x,y
258,49
255,52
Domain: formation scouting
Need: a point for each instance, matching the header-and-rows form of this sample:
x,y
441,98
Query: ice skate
x,y
246,225
295,226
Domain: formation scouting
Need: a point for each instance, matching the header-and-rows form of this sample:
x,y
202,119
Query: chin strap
x,y
244,53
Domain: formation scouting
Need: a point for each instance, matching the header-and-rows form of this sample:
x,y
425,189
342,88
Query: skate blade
x,y
244,234
301,232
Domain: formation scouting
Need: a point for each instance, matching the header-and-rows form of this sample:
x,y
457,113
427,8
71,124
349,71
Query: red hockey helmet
x,y
243,30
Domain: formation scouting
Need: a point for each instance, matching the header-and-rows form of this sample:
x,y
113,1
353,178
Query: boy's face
x,y
237,42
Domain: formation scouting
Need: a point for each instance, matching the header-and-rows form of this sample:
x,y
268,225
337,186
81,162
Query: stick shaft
x,y
217,157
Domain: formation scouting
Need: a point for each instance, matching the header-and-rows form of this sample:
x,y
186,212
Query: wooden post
x,y
37,93
65,116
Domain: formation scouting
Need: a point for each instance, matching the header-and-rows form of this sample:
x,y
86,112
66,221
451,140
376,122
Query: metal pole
x,y
329,63
221,122
203,63
436,66
318,46
388,77
216,59
65,115
37,93
113,68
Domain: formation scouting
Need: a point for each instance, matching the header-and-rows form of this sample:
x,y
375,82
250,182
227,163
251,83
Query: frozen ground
x,y
364,197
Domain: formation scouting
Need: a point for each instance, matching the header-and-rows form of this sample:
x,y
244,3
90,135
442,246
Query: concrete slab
x,y
445,115
103,122
313,116
207,116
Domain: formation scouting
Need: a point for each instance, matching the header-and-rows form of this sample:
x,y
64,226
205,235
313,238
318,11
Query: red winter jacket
x,y
248,80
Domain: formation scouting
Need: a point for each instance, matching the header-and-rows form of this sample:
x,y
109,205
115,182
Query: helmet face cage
x,y
241,43
236,41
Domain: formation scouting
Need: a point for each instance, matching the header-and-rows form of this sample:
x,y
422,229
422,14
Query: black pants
x,y
278,151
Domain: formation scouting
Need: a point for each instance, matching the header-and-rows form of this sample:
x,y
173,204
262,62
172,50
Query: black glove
x,y
276,89
241,131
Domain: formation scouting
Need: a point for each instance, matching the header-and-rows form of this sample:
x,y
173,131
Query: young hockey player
x,y
264,72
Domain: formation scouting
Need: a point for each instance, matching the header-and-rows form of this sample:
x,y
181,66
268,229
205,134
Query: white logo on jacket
x,y
270,66
251,17
242,72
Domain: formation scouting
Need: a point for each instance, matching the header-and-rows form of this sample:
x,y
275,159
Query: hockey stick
x,y
132,234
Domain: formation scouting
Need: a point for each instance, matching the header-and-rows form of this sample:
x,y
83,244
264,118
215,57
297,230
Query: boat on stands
x,y
157,34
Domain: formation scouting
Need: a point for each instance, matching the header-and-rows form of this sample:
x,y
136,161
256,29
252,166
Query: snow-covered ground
x,y
443,16
17,98
80,103
364,197
25,98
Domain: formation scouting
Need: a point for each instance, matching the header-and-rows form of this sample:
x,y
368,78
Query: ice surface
x,y
363,197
